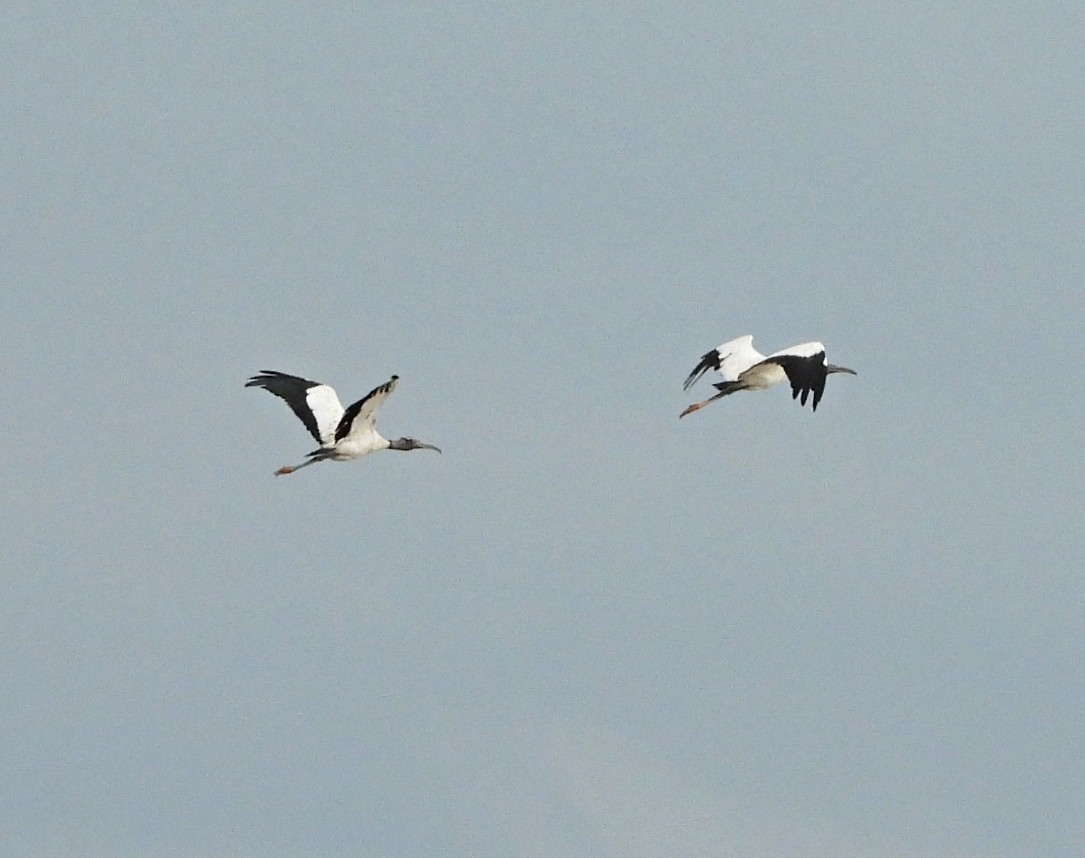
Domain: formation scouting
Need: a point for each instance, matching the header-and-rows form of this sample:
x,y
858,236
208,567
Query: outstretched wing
x,y
360,416
806,370
729,359
316,404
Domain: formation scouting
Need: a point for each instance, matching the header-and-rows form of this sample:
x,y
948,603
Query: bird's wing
x,y
360,416
316,404
729,359
805,368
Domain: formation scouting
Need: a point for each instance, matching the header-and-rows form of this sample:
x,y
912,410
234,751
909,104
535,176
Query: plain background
x,y
588,629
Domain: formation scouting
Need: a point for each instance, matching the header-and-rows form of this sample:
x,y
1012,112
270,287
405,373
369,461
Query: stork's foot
x,y
697,406
286,469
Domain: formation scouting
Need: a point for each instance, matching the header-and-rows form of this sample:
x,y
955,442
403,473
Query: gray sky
x,y
588,629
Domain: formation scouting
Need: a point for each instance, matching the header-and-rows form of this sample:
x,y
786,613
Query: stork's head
x,y
410,444
834,368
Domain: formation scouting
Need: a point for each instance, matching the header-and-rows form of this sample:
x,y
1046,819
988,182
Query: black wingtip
x,y
710,360
263,376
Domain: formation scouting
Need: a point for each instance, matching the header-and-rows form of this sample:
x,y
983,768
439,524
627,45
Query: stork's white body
x,y
743,367
355,448
762,376
343,433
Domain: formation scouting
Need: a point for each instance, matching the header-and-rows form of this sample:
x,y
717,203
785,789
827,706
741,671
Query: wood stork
x,y
744,368
343,434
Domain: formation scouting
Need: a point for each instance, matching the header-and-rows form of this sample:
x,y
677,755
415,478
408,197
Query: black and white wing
x,y
360,417
806,370
316,404
729,359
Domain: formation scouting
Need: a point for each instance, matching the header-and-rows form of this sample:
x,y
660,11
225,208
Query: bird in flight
x,y
744,368
343,433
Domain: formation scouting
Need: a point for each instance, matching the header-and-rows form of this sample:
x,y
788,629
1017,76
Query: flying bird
x,y
343,434
744,368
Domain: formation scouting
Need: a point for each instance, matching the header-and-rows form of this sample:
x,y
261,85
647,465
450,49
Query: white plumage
x,y
744,368
343,433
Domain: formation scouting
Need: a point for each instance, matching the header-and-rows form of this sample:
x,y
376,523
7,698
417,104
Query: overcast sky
x,y
588,628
